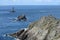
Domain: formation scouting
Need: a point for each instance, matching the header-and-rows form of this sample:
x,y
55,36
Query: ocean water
x,y
9,25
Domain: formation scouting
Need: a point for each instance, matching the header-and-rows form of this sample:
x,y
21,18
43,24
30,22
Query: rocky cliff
x,y
47,28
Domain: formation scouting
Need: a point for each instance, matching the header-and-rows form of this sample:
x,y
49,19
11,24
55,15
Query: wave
x,y
4,12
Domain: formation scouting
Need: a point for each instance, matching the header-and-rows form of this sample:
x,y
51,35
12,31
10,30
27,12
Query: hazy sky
x,y
29,2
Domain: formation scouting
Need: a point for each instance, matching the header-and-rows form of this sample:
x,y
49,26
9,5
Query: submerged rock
x,y
47,28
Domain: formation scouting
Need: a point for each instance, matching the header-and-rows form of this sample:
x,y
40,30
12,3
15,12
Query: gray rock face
x,y
47,28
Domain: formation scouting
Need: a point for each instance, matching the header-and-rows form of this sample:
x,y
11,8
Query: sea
x,y
32,12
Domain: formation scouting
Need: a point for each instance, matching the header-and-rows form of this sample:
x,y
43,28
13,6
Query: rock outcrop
x,y
12,10
47,28
22,17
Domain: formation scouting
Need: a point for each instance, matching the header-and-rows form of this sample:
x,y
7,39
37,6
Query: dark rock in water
x,y
13,10
48,28
22,17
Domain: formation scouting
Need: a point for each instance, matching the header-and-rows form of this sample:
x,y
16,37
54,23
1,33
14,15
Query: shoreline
x,y
9,35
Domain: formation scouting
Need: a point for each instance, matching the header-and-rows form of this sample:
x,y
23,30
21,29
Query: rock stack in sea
x,y
47,28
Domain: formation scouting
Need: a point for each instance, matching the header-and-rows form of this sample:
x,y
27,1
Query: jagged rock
x,y
17,34
47,28
22,34
22,17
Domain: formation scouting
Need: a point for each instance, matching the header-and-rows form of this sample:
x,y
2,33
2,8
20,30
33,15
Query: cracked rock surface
x,y
47,28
